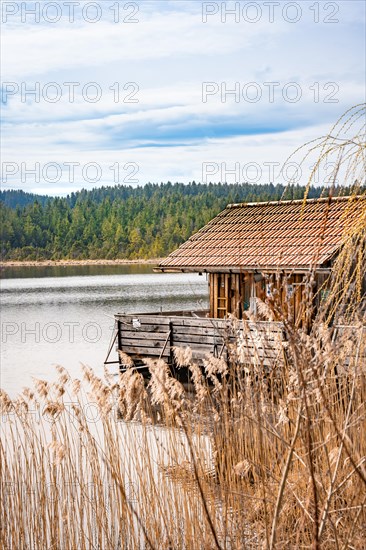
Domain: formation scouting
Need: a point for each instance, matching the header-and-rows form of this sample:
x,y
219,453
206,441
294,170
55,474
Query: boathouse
x,y
243,251
246,243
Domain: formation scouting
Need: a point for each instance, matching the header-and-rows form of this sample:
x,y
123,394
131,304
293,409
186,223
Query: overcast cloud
x,y
150,95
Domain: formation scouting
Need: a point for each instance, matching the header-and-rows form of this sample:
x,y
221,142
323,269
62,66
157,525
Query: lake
x,y
64,315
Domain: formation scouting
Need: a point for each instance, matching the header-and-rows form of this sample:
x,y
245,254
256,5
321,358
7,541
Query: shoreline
x,y
65,263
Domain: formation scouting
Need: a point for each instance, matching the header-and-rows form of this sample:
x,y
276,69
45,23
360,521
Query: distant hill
x,y
13,198
120,221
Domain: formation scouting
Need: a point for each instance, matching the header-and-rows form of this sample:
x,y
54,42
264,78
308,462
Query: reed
x,y
248,456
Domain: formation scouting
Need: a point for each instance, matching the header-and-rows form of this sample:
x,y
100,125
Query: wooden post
x,y
171,343
227,295
233,300
215,291
239,296
119,341
212,291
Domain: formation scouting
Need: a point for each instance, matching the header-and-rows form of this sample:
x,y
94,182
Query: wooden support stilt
x,y
106,362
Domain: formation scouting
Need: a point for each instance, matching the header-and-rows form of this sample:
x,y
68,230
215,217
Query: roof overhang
x,y
242,269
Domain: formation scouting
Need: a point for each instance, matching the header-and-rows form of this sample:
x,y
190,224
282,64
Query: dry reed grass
x,y
254,457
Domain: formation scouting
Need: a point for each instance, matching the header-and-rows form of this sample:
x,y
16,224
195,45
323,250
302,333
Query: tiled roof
x,y
295,234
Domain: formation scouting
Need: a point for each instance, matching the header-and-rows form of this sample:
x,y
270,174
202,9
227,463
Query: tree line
x,y
120,222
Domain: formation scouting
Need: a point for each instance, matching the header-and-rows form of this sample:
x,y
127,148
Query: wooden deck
x,y
260,343
154,336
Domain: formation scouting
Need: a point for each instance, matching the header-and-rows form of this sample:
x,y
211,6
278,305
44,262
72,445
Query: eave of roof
x,y
296,201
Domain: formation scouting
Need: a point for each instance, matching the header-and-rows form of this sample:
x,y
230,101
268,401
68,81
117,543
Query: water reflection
x,y
20,272
68,319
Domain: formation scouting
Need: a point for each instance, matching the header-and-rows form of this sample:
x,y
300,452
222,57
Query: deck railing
x,y
155,335
150,335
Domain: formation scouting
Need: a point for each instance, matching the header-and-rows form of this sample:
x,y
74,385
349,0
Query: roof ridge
x,y
295,201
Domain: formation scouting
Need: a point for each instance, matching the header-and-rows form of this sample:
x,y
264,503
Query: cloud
x,y
290,79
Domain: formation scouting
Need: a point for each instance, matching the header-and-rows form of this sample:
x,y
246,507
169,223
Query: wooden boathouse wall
x,y
259,343
231,293
154,336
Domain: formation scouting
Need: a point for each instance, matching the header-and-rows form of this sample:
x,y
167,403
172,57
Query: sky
x,y
107,92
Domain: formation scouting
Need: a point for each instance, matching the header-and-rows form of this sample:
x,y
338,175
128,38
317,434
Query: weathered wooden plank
x,y
264,335
188,314
273,326
258,341
202,333
145,342
208,348
257,344
197,339
274,339
227,300
146,329
164,314
211,285
178,321
206,327
198,331
260,344
248,349
137,335
156,321
199,356
198,322
235,294
145,351
216,293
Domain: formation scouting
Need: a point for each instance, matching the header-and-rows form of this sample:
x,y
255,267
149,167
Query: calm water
x,y
64,315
